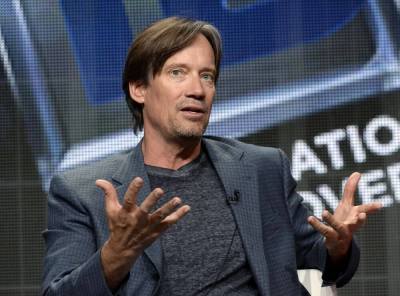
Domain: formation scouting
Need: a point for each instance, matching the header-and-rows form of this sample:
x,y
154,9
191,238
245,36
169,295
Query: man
x,y
237,228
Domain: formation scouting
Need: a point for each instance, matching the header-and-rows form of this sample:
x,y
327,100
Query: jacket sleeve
x,y
310,248
72,263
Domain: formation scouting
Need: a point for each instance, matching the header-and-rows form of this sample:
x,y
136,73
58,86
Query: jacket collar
x,y
239,179
131,168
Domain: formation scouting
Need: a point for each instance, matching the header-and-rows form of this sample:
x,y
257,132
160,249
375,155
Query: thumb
x,y
110,196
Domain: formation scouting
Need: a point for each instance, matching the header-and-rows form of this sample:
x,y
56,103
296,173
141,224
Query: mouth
x,y
194,112
193,109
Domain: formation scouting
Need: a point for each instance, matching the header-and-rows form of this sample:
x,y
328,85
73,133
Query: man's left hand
x,y
339,228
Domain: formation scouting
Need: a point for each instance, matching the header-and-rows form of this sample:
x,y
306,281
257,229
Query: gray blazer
x,y
271,219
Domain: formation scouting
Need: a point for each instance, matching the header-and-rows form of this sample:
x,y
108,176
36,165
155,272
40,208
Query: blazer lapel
x,y
240,180
134,167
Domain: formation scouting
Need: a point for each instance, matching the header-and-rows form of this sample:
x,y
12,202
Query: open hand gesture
x,y
133,227
339,227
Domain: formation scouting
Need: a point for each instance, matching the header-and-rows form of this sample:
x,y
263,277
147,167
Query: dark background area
x,y
22,203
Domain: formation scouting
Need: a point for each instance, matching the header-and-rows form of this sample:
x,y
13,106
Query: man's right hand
x,y
133,228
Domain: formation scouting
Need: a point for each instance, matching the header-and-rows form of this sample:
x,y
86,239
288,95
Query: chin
x,y
189,130
190,133
193,135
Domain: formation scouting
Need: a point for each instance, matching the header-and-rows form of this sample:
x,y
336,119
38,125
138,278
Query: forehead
x,y
198,52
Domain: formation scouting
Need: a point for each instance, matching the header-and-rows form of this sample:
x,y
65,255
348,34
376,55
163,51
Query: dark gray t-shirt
x,y
203,253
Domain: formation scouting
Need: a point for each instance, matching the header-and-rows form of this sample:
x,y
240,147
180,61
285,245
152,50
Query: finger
x,y
131,194
370,207
362,217
350,188
165,210
360,221
171,219
177,215
151,200
334,223
325,230
111,197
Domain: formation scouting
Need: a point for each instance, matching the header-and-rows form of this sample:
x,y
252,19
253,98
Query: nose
x,y
195,88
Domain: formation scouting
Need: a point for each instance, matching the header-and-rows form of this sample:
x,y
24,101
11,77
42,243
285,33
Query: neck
x,y
172,154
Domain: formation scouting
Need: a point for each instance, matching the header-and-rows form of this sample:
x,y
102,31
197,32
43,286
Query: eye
x,y
209,77
176,72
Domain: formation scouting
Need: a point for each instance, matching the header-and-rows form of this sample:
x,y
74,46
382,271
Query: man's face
x,y
177,101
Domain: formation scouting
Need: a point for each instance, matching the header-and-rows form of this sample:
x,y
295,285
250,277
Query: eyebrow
x,y
182,65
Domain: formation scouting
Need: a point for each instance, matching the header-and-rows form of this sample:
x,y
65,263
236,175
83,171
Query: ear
x,y
137,91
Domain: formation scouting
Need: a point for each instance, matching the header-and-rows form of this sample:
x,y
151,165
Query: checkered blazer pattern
x,y
270,216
